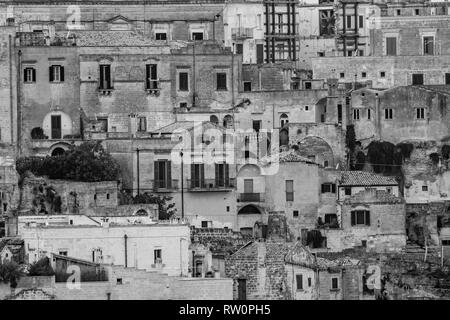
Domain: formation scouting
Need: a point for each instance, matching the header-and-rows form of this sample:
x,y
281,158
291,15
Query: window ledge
x,y
105,92
335,290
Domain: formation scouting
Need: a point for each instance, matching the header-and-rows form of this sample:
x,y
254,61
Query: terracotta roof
x,y
363,178
286,156
373,196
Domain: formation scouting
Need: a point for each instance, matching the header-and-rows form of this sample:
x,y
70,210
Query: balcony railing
x,y
165,185
31,39
251,197
210,184
241,33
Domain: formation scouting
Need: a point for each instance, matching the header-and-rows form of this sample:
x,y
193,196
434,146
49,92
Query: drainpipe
x,y
232,77
19,111
125,238
11,95
137,171
193,264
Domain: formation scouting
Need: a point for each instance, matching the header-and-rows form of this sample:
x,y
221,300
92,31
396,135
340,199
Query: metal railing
x,y
165,185
241,33
210,184
251,197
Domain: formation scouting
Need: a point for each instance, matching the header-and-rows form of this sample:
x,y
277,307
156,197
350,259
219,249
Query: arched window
x,y
214,119
284,119
228,121
249,209
284,137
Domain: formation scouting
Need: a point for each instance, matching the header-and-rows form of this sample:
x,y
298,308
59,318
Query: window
x,y
368,114
399,12
183,81
247,86
161,36
221,81
197,35
391,46
259,21
349,22
416,12
325,163
334,283
348,191
299,281
339,112
151,76
157,254
183,105
105,76
330,218
204,224
446,242
56,73
361,53
162,174
417,79
447,78
239,48
428,45
424,188
119,281
142,124
306,108
355,114
364,74
256,124
360,217
309,282
328,188
295,213
107,196
29,75
308,85
197,175
382,74
284,119
388,114
420,113
349,53
342,75
222,174
389,189
63,253
259,53
361,22
289,190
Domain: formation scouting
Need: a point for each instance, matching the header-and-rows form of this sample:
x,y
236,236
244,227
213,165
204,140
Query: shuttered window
x,y
328,187
360,217
221,81
299,281
391,46
222,175
183,81
151,76
162,174
105,76
289,190
29,75
56,73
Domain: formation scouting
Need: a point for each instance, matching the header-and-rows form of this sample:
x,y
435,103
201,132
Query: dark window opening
x,y
197,35
391,46
417,79
348,191
29,75
299,281
151,78
161,36
183,81
360,217
247,86
221,81
105,76
328,188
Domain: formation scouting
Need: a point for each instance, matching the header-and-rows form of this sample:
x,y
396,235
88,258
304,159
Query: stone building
x,y
150,246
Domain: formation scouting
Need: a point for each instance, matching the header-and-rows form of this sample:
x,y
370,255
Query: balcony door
x,y
197,175
163,176
56,126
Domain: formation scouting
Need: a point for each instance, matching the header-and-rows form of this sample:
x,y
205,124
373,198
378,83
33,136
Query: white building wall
x,y
79,241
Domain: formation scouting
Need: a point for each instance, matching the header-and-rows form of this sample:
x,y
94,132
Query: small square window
x,y
399,12
204,224
334,283
308,85
221,81
247,86
382,74
183,105
295,213
348,191
361,53
424,188
364,74
119,281
306,108
420,113
228,208
321,54
416,12
342,75
161,36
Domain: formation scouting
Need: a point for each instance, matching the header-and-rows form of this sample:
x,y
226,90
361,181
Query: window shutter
x,y
227,174
102,79
147,76
154,74
108,77
169,174
61,76
353,218
323,188
50,73
216,167
34,74
202,175
156,174
333,188
193,178
25,75
367,218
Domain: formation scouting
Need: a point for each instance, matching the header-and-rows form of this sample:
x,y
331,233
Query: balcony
x,y
165,185
153,87
210,185
251,197
241,33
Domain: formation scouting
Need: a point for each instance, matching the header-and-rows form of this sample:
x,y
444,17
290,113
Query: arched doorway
x,y
58,151
228,121
284,119
214,119
249,209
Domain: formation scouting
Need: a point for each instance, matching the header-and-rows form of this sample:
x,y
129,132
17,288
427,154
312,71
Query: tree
x,y
41,267
10,272
88,162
